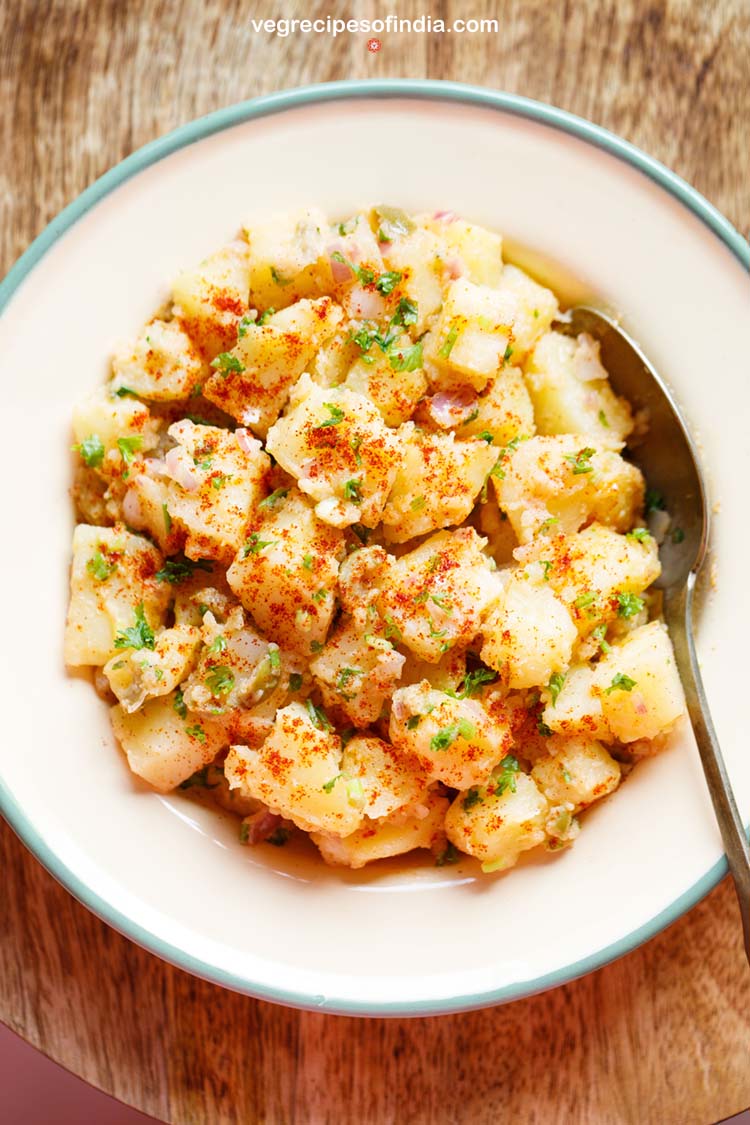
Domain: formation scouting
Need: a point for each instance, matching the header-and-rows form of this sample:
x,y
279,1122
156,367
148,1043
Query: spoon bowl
x,y
668,457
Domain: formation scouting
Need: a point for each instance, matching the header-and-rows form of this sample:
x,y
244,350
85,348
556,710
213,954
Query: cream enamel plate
x,y
408,938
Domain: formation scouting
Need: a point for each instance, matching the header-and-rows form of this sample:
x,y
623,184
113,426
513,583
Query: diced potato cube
x,y
296,772
390,779
472,337
162,363
437,483
530,633
288,258
639,685
285,575
136,675
456,740
339,449
497,822
575,709
161,746
477,253
111,577
395,393
435,597
211,299
330,364
577,772
447,675
107,419
216,484
596,571
357,673
361,577
145,508
571,393
397,834
417,257
503,412
252,382
356,266
563,481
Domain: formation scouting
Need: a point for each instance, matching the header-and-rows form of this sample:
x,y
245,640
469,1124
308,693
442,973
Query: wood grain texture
x,y
661,1036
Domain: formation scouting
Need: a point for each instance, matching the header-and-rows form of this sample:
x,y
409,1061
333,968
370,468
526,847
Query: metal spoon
x,y
669,460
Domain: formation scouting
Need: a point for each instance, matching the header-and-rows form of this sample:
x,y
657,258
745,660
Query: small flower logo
x,y
374,45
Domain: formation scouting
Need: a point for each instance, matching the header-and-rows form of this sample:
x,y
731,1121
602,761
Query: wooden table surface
x,y
661,1036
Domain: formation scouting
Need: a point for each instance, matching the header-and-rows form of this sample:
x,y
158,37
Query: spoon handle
x,y
678,611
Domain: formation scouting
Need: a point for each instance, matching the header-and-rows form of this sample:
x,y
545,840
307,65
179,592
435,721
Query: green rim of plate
x,y
426,89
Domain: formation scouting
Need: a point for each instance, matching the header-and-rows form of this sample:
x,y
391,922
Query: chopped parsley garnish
x,y
654,501
278,837
554,687
678,535
226,364
177,570
320,595
196,731
295,681
198,780
91,450
218,480
628,605
254,544
506,778
584,600
473,682
365,275
328,786
140,635
392,630
436,633
406,313
472,798
100,567
220,680
246,322
447,346
316,646
344,678
307,562
603,419
218,644
276,496
486,436
406,359
278,278
355,444
353,491
167,518
318,717
417,503
129,446
264,317
550,523
543,729
336,415
599,635
387,282
179,704
640,534
621,682
566,775
273,656
448,735
125,392
546,565
450,854
440,601
507,353
413,722
580,462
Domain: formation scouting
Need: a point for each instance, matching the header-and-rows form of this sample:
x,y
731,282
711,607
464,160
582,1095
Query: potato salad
x,y
358,551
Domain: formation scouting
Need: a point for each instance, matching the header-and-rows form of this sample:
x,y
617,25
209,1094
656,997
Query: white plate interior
x,y
267,920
